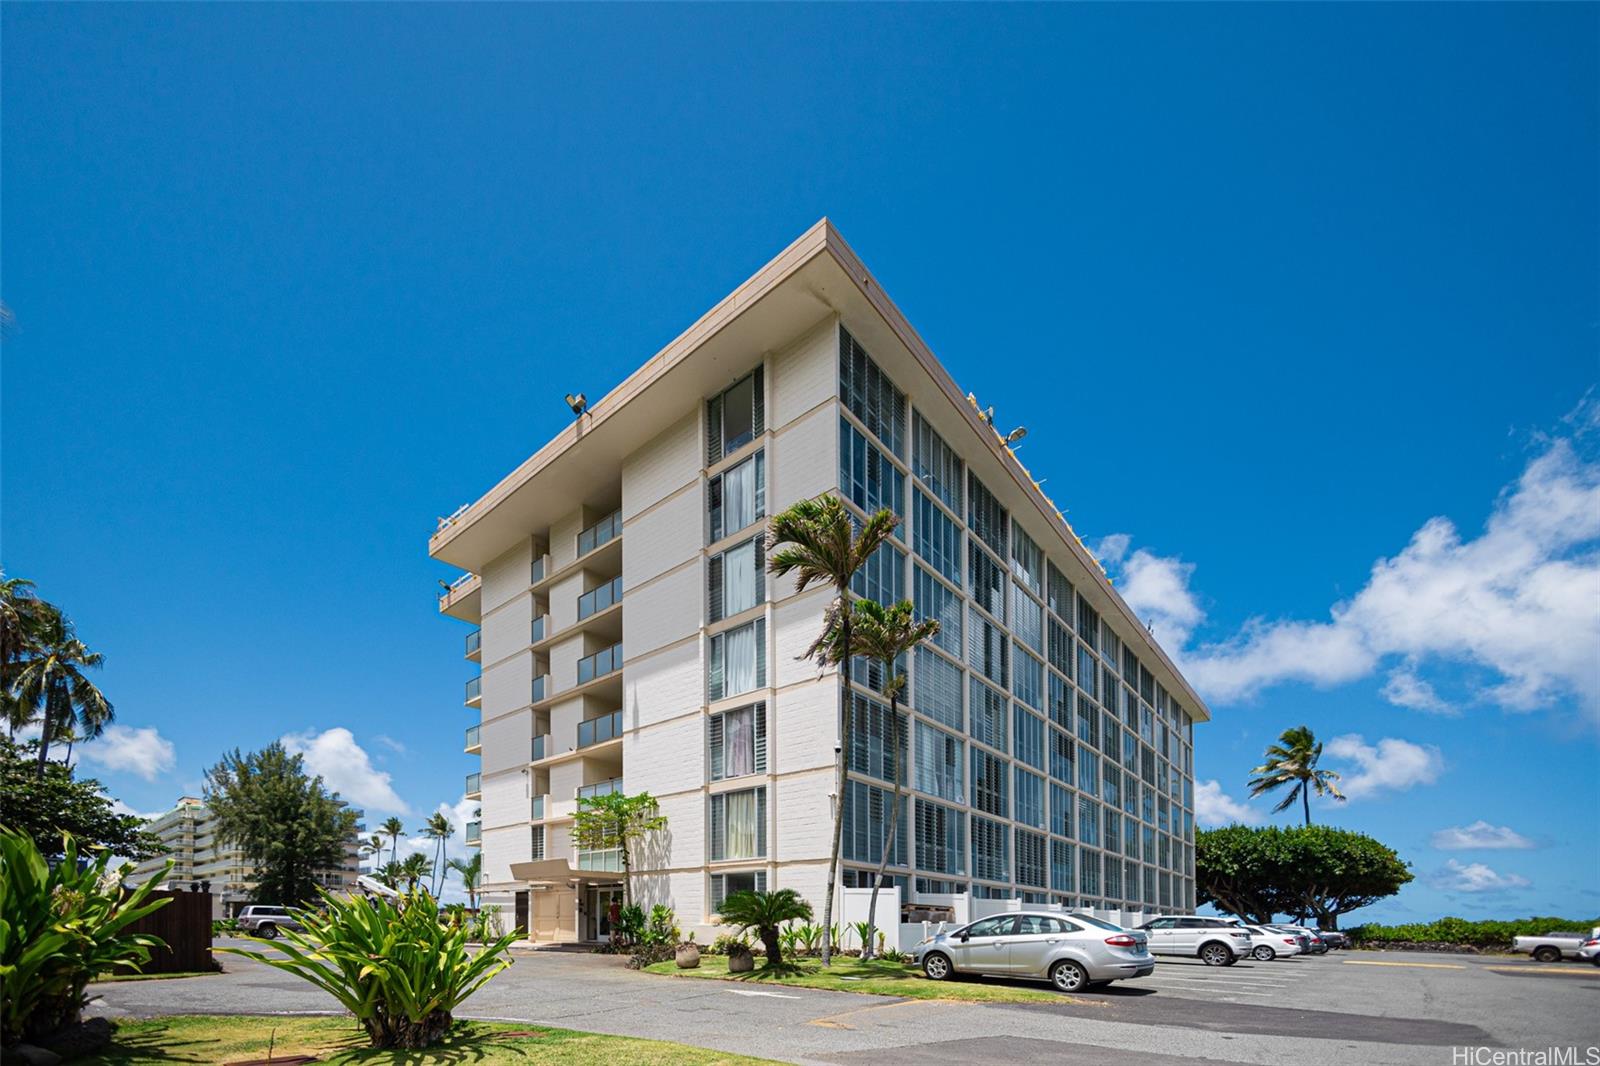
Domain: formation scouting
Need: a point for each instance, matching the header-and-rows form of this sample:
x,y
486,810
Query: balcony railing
x,y
599,730
474,642
537,809
474,689
541,685
538,748
538,572
601,663
539,628
474,783
455,586
603,531
474,734
600,788
598,599
474,832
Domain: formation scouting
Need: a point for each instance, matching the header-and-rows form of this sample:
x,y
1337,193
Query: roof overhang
x,y
557,872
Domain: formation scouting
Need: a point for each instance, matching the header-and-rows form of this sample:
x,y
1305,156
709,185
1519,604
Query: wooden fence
x,y
185,925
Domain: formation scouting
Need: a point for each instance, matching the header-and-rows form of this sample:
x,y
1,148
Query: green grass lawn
x,y
849,974
223,1039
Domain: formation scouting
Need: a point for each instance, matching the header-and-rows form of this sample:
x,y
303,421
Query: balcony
x,y
475,692
599,598
599,730
463,598
475,645
540,746
536,809
474,784
474,738
600,788
602,532
541,567
601,663
541,687
609,860
474,833
540,629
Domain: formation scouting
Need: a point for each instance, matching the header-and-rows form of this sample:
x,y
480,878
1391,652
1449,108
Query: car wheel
x,y
1215,954
267,932
1264,953
936,967
1068,976
1548,954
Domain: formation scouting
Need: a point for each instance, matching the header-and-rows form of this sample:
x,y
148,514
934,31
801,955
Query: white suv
x,y
1213,941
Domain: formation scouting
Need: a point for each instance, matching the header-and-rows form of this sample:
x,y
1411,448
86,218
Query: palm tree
x,y
390,873
438,830
1293,760
22,616
394,829
52,679
817,542
765,912
372,847
413,869
884,634
471,871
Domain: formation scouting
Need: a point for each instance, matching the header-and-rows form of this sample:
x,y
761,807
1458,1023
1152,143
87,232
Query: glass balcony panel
x,y
473,734
600,663
598,599
474,641
599,730
541,685
474,782
474,832
474,689
609,860
602,532
538,808
600,788
538,629
538,748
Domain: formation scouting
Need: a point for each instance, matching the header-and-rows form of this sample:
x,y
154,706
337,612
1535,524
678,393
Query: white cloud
x,y
1475,877
1480,835
460,813
142,751
118,807
391,743
1519,600
1391,765
345,768
1214,807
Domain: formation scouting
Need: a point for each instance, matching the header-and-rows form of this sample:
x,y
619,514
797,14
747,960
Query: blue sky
x,y
1281,292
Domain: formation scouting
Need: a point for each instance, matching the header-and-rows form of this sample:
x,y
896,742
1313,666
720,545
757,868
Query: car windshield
x,y
1098,923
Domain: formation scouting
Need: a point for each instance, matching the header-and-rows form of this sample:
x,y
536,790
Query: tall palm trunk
x,y
1305,800
54,701
846,709
891,832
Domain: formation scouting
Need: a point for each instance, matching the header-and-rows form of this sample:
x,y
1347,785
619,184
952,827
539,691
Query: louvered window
x,y
866,820
877,739
737,497
1060,702
870,395
941,764
725,885
988,716
866,476
989,792
1029,802
991,850
1027,679
986,581
736,579
738,741
735,418
739,824
941,838
1088,623
1027,561
1061,756
935,537
937,688
933,599
935,464
1061,866
985,516
1030,858
739,660
1059,592
987,648
1061,806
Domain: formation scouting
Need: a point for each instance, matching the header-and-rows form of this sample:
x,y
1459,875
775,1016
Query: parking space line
x,y
1414,965
1572,971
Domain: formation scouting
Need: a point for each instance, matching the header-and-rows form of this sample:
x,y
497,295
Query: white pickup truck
x,y
1553,947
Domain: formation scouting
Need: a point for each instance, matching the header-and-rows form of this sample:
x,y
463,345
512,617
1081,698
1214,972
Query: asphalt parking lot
x,y
1345,1007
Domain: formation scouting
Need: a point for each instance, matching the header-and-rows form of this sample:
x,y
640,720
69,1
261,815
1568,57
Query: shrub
x,y
60,927
630,925
1452,930
663,928
394,965
648,954
766,912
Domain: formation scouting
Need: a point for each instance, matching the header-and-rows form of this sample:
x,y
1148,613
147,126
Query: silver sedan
x,y
1071,951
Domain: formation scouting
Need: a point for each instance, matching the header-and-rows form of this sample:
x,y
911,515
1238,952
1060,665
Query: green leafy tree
x,y
22,620
42,808
765,912
816,541
51,678
282,818
1316,870
616,820
394,829
1293,761
471,871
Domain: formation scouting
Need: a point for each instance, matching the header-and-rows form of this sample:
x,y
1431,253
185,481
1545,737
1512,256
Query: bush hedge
x,y
1484,934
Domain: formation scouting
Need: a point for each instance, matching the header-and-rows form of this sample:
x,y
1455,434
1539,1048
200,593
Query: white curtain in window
x,y
739,742
739,497
739,579
741,825
739,660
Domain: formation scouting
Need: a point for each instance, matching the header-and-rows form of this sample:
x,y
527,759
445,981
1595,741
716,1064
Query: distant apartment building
x,y
201,857
630,638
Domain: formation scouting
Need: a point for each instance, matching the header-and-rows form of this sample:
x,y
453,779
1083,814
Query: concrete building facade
x,y
629,638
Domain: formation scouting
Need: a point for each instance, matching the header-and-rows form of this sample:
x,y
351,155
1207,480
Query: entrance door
x,y
597,922
522,913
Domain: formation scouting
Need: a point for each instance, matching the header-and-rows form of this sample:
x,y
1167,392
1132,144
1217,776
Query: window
x,y
736,579
1088,772
1027,618
1060,702
739,660
1112,780
1087,674
940,763
1059,593
882,577
866,476
1088,821
725,885
934,599
988,783
1030,860
934,464
1112,839
988,716
877,739
935,537
735,418
1132,869
870,395
866,819
1029,742
1088,872
1061,866
987,648
1030,798
538,844
1088,623
986,581
941,838
1027,680
937,691
990,850
1060,647
1027,561
738,497
738,741
1088,722
985,516
1061,756
1061,805
739,824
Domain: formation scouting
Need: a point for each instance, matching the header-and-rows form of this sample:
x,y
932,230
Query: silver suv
x,y
1214,941
266,921
1071,951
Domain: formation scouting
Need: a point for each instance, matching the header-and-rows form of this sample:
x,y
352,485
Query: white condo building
x,y
629,639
